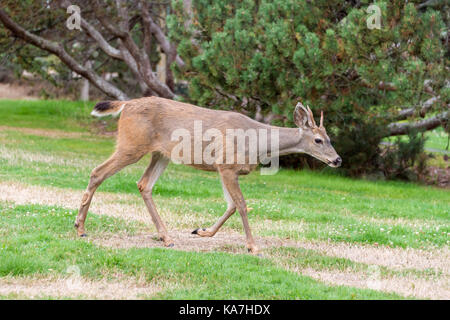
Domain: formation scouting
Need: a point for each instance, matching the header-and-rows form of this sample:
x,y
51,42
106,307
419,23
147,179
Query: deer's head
x,y
315,140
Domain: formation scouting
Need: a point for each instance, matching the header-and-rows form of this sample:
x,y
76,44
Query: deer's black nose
x,y
337,161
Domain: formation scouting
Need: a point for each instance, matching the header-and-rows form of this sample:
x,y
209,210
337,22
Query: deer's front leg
x,y
111,166
231,183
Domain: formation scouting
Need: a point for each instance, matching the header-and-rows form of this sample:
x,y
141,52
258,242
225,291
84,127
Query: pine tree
x,y
260,57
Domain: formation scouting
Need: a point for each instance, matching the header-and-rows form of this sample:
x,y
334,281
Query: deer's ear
x,y
302,117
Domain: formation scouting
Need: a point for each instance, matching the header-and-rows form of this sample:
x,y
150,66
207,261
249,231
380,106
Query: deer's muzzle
x,y
337,162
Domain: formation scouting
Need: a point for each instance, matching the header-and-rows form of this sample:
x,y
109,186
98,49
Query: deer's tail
x,y
106,108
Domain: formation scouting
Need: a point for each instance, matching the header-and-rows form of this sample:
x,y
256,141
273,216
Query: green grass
x,y
330,206
64,115
72,116
35,241
333,207
38,240
437,139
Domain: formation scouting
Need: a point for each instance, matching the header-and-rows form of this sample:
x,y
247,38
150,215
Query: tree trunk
x,y
84,94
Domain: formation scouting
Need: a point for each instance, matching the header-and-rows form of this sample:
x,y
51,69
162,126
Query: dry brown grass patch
x,y
36,288
406,286
51,133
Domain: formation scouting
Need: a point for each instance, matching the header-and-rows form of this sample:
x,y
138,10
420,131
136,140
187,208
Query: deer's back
x,y
150,123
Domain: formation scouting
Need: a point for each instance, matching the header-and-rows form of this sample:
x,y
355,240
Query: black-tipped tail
x,y
106,108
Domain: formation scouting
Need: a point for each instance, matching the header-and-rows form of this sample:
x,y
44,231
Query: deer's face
x,y
315,140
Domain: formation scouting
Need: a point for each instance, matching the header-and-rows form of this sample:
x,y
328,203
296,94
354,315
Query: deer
x,y
145,126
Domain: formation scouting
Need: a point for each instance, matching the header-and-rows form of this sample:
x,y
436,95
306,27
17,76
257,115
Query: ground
x,y
322,236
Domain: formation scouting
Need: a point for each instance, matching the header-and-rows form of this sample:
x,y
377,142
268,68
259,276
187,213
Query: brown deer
x,y
146,125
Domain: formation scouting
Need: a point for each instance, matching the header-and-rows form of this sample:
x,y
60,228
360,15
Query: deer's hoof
x,y
167,242
202,232
254,251
83,235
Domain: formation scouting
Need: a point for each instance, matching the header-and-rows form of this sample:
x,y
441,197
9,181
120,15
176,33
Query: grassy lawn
x,y
437,139
49,146
38,242
67,115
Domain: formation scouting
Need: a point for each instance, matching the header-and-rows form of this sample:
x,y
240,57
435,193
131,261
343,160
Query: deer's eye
x,y
318,141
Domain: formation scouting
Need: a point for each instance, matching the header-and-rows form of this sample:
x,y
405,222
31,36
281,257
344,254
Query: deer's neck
x,y
289,141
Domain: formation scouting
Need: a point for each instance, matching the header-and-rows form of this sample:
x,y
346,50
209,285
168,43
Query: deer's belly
x,y
241,169
204,167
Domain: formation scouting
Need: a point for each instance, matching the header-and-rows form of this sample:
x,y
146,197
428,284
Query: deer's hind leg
x,y
231,209
230,181
115,163
157,166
